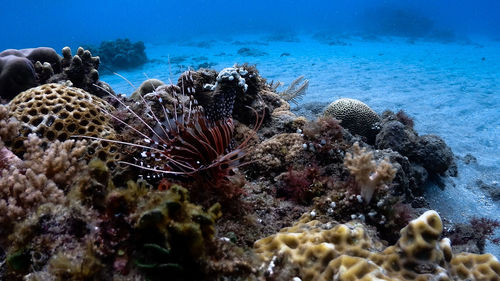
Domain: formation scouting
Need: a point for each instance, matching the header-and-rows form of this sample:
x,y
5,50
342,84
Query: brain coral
x,y
57,112
348,252
356,117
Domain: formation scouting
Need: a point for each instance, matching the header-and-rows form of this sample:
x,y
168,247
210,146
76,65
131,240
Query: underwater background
x,y
439,61
70,23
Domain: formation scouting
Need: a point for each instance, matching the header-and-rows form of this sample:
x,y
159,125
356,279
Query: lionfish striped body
x,y
184,142
194,146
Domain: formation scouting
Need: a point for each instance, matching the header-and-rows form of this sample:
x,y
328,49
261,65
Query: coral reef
x,y
27,68
356,117
293,93
229,84
321,251
394,21
274,155
9,126
251,52
146,87
121,53
164,233
434,154
182,142
248,167
237,91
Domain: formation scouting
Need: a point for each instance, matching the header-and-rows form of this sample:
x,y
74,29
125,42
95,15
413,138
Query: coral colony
x,y
214,178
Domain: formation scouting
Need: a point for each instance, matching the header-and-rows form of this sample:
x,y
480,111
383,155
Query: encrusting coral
x,y
349,251
369,175
275,154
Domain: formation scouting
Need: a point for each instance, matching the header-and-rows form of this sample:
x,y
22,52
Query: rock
x,y
394,135
492,188
434,154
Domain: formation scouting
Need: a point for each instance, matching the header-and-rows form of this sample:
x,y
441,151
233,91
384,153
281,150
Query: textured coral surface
x,y
349,252
58,112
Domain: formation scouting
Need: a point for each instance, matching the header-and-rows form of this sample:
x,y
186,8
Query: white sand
x,y
447,88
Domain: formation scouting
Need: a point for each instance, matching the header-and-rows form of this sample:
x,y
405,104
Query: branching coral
x,y
369,174
40,178
9,127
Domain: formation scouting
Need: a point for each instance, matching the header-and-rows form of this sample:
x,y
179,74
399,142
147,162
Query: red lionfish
x,y
185,142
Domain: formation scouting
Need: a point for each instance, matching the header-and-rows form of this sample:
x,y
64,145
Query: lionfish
x,y
183,141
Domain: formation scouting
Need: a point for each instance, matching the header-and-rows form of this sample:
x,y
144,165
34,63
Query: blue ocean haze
x,y
58,23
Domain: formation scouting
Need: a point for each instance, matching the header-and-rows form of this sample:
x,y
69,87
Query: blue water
x,y
437,60
58,23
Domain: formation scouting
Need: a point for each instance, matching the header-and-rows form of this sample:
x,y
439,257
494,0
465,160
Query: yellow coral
x,y
369,175
348,252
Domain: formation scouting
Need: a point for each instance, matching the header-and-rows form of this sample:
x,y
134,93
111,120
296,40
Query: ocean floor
x,y
451,89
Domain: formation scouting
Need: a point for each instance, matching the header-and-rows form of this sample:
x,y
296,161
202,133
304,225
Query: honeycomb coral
x,y
57,112
356,117
348,252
